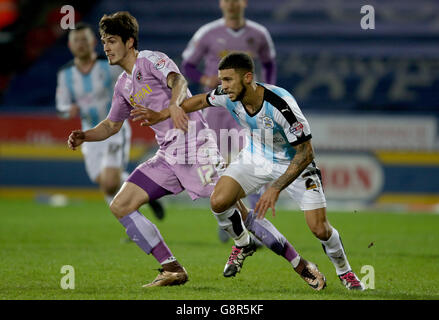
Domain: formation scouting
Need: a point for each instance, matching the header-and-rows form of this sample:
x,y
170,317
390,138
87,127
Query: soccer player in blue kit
x,y
278,151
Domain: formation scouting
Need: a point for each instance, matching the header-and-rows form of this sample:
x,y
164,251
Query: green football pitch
x,y
398,253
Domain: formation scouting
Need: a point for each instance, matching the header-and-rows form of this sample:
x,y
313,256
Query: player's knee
x,y
118,208
219,202
321,231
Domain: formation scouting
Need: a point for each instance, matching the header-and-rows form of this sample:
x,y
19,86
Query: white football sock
x,y
335,251
231,222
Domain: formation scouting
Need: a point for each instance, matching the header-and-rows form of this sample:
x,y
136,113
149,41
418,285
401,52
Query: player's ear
x,y
248,77
130,43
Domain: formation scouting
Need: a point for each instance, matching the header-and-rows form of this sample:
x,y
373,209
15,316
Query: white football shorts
x,y
252,172
111,153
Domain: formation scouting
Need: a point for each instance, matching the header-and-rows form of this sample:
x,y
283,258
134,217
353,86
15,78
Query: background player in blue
x,y
85,88
278,151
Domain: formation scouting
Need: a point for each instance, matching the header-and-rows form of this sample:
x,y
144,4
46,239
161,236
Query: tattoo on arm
x,y
172,79
303,157
178,85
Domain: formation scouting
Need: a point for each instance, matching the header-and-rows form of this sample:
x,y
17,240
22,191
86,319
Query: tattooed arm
x,y
303,157
178,85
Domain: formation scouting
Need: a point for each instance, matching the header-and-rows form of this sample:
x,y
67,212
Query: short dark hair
x,y
237,60
121,24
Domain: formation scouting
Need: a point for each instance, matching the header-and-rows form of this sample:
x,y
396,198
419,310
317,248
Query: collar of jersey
x,y
263,100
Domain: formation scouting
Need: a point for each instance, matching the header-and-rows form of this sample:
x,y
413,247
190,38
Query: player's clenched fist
x,y
75,139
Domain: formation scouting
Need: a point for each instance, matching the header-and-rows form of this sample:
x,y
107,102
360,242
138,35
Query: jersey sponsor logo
x,y
141,94
296,129
267,122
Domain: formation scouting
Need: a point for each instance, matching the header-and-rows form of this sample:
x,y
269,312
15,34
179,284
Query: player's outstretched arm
x,y
303,157
102,131
150,117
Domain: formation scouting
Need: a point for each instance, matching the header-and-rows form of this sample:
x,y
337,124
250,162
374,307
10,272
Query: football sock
x,y
267,233
334,249
231,222
146,235
253,199
169,260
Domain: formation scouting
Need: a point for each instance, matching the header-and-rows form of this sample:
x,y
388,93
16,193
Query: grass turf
x,y
36,240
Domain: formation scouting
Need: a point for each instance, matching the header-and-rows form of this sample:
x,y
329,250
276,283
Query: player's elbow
x,y
176,80
307,151
309,156
113,127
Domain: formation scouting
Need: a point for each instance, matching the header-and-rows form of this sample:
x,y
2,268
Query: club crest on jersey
x,y
267,122
138,76
296,129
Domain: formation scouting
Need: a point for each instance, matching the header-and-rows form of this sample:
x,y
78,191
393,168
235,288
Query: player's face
x,y
82,43
114,48
233,9
232,83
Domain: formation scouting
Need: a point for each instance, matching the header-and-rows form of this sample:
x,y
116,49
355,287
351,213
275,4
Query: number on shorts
x,y
205,173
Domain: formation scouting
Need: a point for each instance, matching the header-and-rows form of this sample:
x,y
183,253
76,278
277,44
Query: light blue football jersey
x,y
275,129
92,92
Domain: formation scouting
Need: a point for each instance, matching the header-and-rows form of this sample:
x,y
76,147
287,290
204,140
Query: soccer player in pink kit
x,y
213,41
151,79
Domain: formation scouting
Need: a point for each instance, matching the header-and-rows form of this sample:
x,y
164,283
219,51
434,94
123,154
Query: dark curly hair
x,y
121,24
237,60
